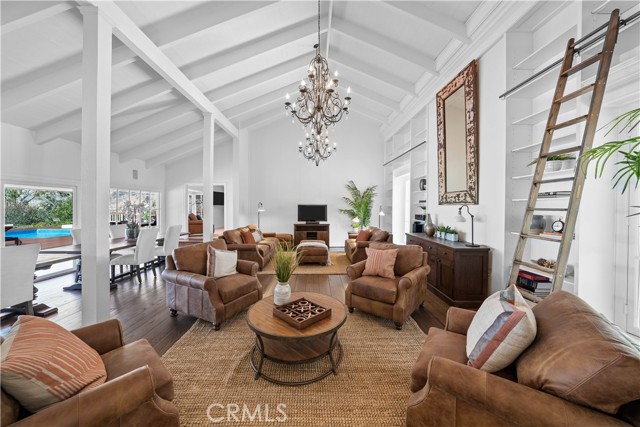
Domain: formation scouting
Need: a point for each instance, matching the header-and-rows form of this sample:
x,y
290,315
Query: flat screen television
x,y
312,213
218,198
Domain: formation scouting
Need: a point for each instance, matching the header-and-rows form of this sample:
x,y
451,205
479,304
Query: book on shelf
x,y
552,194
552,233
533,276
533,286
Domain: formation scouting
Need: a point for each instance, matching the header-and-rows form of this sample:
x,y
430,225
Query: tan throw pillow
x,y
221,263
501,330
247,237
42,363
380,262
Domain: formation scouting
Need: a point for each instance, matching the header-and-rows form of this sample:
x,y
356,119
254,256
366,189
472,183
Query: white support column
x,y
241,210
95,164
207,177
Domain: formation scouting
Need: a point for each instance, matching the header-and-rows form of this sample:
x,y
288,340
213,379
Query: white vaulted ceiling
x,y
243,55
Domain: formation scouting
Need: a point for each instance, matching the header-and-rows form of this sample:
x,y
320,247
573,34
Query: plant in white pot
x,y
285,260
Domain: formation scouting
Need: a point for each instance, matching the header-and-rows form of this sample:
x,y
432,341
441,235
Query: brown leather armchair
x,y
577,354
354,249
195,224
394,299
191,291
138,391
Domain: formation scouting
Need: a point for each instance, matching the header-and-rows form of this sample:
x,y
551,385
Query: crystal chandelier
x,y
317,148
319,104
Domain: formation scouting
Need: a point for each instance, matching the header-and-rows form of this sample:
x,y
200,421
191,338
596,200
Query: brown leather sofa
x,y
195,224
577,356
354,249
138,391
260,252
191,292
394,299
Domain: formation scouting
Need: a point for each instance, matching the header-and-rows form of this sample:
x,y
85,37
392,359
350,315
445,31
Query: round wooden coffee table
x,y
280,342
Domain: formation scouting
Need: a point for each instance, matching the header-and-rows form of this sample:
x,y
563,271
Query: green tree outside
x,y
36,208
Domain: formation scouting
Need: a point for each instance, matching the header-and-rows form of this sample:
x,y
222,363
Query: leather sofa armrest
x,y
191,280
102,337
101,405
249,268
282,237
511,401
458,320
363,244
414,277
355,270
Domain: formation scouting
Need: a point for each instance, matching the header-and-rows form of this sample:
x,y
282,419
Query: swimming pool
x,y
38,234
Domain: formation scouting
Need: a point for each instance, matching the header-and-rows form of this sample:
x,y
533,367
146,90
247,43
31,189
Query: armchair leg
x,y
173,313
350,309
398,326
216,326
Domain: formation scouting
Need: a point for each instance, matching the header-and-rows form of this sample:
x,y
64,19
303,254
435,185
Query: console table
x,y
310,232
459,274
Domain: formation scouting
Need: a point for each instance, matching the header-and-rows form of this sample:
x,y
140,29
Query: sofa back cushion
x,y
233,237
247,237
363,236
193,258
580,356
378,235
409,256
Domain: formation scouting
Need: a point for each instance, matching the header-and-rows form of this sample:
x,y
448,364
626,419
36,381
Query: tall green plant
x,y
285,260
629,166
360,203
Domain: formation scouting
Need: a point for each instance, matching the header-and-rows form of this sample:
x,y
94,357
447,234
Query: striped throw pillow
x,y
380,262
42,363
501,330
221,263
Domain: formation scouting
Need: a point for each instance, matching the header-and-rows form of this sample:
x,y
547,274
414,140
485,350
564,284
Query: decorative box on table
x,y
301,313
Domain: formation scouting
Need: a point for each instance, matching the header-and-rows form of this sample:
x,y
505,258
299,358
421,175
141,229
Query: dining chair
x,y
18,268
171,241
143,253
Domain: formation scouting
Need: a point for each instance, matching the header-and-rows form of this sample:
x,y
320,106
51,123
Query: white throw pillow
x,y
221,263
257,235
501,330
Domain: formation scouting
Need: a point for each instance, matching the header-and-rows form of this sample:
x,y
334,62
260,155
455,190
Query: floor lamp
x,y
460,218
260,210
380,215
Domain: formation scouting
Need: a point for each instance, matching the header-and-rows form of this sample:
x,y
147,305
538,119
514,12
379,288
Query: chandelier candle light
x,y
318,105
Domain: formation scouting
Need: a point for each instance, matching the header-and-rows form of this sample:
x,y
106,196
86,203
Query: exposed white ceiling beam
x,y
358,92
258,120
420,10
256,103
174,154
378,42
177,137
369,113
382,76
22,14
132,36
329,19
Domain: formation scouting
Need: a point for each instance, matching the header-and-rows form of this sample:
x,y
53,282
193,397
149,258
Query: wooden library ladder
x,y
596,89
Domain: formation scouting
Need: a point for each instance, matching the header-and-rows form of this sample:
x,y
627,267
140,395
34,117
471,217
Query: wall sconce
x,y
260,210
460,218
380,215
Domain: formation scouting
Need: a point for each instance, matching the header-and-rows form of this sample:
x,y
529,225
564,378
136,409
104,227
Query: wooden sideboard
x,y
459,274
310,232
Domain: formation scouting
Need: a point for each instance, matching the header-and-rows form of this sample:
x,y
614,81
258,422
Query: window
x,y
30,207
150,200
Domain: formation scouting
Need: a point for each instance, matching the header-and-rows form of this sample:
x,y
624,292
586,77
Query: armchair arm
x,y
414,277
510,401
191,280
102,337
355,270
101,405
458,320
249,268
362,244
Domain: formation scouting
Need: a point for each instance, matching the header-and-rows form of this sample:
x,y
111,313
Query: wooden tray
x,y
301,313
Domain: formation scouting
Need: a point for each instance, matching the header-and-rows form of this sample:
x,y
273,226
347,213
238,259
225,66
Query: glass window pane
x,y
155,201
113,205
123,195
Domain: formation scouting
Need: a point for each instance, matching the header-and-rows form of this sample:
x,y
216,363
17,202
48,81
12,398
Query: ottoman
x,y
313,254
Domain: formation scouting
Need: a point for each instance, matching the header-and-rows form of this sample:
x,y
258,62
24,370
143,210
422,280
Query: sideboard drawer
x,y
445,253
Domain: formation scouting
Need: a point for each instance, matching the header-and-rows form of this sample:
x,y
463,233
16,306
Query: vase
x,y
537,224
429,227
281,293
131,233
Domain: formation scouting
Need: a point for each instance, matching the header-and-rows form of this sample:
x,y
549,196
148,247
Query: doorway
x,y
401,206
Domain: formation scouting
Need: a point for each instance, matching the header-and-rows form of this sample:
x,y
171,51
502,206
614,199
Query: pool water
x,y
38,234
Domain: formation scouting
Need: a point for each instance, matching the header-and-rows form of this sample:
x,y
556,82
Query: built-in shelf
x,y
542,199
557,143
551,50
548,174
542,115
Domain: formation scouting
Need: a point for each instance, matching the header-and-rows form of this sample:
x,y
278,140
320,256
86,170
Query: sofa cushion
x,y
376,288
501,330
221,263
380,262
234,286
62,366
363,236
247,237
192,217
441,343
10,410
233,236
131,356
409,256
378,235
580,356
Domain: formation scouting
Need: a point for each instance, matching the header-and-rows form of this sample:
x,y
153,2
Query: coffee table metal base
x,y
258,357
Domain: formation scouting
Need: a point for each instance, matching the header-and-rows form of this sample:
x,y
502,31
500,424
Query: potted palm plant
x,y
360,203
285,260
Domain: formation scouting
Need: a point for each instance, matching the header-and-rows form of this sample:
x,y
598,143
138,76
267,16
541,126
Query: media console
x,y
310,232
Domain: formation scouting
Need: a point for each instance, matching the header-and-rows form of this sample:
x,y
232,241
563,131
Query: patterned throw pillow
x,y
221,263
257,235
380,262
501,330
42,363
363,236
247,237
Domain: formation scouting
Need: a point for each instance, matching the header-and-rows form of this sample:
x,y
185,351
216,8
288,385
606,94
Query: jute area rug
x,y
339,264
212,376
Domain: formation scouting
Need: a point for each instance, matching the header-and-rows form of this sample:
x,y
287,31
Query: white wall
x,y
489,212
281,179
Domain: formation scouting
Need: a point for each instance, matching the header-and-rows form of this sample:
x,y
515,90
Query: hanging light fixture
x,y
319,104
317,147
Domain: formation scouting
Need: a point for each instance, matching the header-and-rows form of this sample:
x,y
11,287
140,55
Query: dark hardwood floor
x,y
143,312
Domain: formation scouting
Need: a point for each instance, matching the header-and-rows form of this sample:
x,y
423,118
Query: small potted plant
x,y
441,231
131,213
452,235
557,162
285,260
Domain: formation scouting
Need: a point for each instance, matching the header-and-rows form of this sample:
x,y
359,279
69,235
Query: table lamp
x,y
460,218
